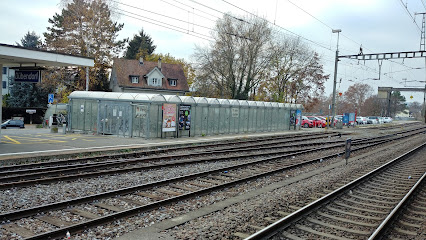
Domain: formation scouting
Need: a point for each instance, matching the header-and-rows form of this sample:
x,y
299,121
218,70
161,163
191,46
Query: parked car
x,y
361,120
373,120
318,122
306,123
387,119
13,123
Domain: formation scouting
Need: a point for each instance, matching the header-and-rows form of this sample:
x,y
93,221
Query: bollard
x,y
64,128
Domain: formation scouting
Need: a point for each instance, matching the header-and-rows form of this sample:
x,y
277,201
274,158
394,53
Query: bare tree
x,y
373,106
232,63
416,109
294,73
356,95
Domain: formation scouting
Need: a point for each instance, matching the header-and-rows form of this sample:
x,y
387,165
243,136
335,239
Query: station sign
x,y
30,111
30,76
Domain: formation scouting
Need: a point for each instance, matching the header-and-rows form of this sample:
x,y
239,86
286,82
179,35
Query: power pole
x,y
422,48
333,104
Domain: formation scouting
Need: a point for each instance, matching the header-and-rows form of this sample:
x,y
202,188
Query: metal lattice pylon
x,y
422,34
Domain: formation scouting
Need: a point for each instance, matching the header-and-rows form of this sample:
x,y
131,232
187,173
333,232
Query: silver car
x,y
373,120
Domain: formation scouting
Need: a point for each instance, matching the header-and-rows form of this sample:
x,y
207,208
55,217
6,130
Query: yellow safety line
x,y
13,140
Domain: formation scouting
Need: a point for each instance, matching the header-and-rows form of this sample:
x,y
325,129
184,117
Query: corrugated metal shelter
x,y
141,115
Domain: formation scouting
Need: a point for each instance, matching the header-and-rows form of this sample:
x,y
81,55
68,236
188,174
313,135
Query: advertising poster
x,y
292,118
185,117
298,117
169,117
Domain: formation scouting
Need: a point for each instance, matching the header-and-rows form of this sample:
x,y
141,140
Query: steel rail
x,y
68,167
386,224
283,223
81,226
8,168
26,182
7,174
53,206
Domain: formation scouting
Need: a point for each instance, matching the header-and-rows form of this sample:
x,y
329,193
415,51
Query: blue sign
x,y
351,117
345,118
31,76
50,98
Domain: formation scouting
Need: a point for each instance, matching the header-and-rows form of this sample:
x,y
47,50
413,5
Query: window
x,y
135,79
4,70
173,82
4,84
155,81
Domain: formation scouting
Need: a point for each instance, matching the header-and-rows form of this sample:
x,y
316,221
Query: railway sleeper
x,y
330,225
54,221
345,220
353,214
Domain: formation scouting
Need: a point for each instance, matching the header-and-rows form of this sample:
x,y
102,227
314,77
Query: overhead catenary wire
x,y
424,4
300,36
202,16
409,14
166,16
344,35
168,26
209,38
180,20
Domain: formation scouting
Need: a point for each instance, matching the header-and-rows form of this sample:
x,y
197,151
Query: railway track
x,y
408,221
78,214
30,174
362,209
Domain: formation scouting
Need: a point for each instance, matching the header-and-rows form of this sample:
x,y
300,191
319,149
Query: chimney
x,y
141,60
159,63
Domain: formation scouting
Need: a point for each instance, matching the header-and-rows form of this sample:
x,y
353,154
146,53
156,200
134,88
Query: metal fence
x,y
141,115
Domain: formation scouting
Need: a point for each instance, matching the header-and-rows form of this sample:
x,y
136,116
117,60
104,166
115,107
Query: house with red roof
x,y
138,76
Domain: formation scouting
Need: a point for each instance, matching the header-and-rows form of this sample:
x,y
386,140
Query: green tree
x,y
4,102
31,40
397,102
140,46
85,28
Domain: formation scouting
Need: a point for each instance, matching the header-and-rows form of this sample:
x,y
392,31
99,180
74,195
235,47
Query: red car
x,y
318,122
306,122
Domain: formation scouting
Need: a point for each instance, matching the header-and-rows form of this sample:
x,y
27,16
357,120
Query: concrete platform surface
x,y
32,141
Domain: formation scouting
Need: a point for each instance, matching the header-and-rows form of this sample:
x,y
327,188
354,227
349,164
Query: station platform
x,y
34,142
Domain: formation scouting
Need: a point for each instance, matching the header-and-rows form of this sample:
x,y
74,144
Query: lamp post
x,y
336,60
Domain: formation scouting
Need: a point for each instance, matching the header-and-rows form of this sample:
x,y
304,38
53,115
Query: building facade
x,y
138,76
6,74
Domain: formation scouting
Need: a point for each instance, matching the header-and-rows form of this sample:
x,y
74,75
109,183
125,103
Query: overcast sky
x,y
379,25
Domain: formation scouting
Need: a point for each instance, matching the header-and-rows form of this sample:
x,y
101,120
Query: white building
x,y
6,73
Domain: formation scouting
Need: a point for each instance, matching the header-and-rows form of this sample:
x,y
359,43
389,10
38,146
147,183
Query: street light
x,y
333,104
